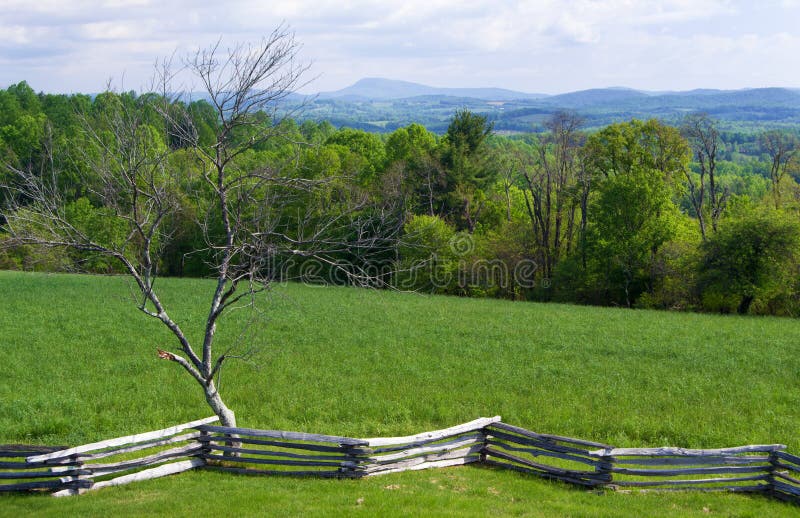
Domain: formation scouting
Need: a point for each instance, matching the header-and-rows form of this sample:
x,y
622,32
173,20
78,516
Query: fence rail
x,y
767,469
785,480
70,471
273,452
457,445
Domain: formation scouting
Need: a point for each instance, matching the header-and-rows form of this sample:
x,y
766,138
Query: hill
x,y
367,363
593,97
386,89
383,105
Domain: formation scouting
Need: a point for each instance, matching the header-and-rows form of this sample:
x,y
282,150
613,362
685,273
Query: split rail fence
x,y
766,469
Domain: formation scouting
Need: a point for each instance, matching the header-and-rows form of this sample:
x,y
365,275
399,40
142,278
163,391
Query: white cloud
x,y
112,31
532,45
16,34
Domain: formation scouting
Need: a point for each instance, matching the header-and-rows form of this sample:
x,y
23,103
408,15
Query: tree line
x,y
637,214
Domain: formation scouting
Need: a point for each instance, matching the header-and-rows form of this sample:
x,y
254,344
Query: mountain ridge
x,y
378,88
382,105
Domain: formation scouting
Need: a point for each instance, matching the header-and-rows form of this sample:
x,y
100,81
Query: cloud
x,y
533,45
15,35
113,31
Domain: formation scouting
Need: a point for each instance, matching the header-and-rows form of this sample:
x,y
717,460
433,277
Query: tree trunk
x,y
744,305
226,417
225,414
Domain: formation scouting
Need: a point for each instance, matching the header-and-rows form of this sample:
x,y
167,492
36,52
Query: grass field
x,y
80,365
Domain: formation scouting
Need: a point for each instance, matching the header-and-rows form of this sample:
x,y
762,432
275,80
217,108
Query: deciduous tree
x,y
553,190
782,148
250,215
635,165
752,257
702,134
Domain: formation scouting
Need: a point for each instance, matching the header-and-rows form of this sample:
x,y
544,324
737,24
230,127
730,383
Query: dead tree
x,y
552,193
702,134
253,216
782,148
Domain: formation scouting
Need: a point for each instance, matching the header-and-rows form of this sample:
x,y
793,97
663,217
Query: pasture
x,y
80,365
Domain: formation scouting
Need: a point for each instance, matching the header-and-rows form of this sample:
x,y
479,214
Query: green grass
x,y
469,491
80,365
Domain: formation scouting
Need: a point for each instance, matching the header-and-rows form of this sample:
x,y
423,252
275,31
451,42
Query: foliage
x,y
366,148
674,270
467,172
600,215
101,224
751,259
632,211
428,262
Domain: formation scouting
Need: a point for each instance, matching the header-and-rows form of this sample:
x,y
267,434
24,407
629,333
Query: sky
x,y
541,46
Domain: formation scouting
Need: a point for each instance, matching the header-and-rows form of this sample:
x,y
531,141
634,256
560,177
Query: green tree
x,y
368,146
467,173
468,130
316,133
410,144
24,137
412,171
427,259
750,258
634,165
22,125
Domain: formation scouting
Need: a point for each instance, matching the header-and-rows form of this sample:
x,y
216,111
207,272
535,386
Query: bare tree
x,y
552,193
584,188
253,215
507,169
782,148
702,134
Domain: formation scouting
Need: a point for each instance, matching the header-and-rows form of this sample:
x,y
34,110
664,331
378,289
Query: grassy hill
x,y
80,365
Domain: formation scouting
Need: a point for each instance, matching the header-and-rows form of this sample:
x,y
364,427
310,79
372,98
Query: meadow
x,y
80,365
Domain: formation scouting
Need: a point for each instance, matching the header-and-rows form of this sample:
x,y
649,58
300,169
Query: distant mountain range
x,y
374,88
378,104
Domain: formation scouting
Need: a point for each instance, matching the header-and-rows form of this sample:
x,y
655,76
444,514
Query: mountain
x,y
374,89
593,97
383,105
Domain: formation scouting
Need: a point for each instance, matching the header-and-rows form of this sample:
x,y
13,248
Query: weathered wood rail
x,y
766,469
453,446
273,452
107,463
785,476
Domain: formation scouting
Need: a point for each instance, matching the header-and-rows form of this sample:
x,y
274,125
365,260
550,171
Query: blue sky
x,y
533,46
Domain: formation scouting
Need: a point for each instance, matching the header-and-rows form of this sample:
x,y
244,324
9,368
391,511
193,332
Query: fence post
x,y
205,441
81,483
485,433
603,468
79,464
358,455
773,461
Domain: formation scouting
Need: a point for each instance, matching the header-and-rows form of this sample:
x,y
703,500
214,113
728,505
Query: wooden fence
x,y
765,469
268,452
785,484
247,451
102,464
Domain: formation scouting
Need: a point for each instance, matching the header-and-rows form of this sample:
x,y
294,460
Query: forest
x,y
635,214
